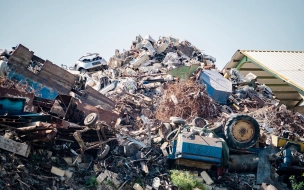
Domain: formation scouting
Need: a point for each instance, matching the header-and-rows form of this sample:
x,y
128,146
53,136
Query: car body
x,y
90,62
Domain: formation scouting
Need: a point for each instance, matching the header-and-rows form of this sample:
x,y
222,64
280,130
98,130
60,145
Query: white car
x,y
90,62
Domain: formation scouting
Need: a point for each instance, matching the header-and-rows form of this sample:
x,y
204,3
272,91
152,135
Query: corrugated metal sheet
x,y
234,60
288,65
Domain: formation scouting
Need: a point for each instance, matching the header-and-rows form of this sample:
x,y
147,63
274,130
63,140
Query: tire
x,y
101,153
199,122
172,135
91,119
241,131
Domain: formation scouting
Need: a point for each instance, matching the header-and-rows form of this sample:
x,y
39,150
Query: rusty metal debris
x,y
187,100
159,106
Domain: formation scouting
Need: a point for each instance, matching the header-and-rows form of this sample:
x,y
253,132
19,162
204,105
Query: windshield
x,y
91,57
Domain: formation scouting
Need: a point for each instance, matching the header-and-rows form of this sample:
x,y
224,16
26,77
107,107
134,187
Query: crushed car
x,y
90,62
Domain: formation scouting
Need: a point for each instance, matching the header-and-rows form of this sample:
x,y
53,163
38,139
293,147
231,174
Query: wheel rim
x,y
200,122
90,118
243,131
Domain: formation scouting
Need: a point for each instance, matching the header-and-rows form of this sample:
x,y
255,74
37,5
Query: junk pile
x,y
158,107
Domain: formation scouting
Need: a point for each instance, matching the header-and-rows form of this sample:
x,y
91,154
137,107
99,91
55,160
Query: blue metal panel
x,y
197,148
40,90
201,150
12,104
20,114
218,87
287,158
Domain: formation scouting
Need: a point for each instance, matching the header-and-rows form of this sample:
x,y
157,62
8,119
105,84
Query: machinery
x,y
196,146
197,151
199,144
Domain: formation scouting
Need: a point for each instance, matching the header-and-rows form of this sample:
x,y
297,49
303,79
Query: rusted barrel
x,y
243,163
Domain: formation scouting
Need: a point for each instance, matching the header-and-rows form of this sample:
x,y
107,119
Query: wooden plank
x,y
14,147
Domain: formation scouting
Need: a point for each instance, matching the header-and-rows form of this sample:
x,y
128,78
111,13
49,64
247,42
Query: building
x,y
282,71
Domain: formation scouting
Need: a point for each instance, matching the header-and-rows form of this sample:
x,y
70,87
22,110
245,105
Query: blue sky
x,y
62,31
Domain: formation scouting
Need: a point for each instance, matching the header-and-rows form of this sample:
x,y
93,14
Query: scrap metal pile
x,y
159,106
279,119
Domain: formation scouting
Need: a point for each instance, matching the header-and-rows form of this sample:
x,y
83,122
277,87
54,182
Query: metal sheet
x,y
61,106
21,56
41,102
218,87
39,89
11,104
199,148
95,98
38,59
103,115
13,93
186,48
57,78
286,66
52,78
183,71
65,107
